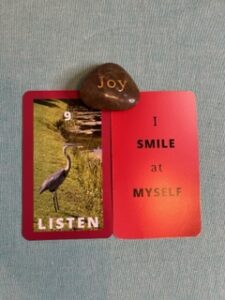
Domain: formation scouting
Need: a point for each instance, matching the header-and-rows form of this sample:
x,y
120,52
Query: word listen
x,y
111,84
69,223
156,143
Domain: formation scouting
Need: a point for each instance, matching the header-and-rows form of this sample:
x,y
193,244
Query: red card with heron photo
x,y
66,168
70,151
156,185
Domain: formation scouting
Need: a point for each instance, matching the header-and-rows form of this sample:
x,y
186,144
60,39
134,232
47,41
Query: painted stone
x,y
109,87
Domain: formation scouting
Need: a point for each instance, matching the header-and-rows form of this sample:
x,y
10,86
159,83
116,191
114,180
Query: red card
x,y
155,166
66,190
156,187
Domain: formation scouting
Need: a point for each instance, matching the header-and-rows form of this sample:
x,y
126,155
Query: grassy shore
x,y
80,195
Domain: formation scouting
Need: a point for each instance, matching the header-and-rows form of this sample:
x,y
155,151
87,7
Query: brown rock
x,y
109,87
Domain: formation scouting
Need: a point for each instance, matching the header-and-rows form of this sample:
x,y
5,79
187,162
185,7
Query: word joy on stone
x,y
112,84
109,87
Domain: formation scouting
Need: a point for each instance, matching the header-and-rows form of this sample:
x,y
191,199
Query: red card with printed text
x,y
155,166
90,174
66,168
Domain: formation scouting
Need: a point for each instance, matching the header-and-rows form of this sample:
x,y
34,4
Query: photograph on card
x,y
67,160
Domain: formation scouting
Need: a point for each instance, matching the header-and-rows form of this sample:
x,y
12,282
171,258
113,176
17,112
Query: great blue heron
x,y
56,179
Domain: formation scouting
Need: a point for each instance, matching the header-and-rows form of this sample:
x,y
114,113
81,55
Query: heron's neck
x,y
68,165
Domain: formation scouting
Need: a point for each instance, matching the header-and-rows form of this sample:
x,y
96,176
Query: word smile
x,y
155,143
69,223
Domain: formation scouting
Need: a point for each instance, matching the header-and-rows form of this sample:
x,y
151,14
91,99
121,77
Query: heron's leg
x,y
54,202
